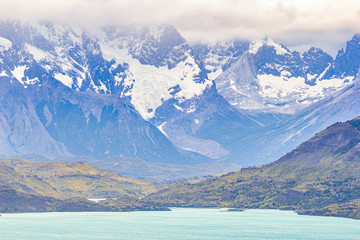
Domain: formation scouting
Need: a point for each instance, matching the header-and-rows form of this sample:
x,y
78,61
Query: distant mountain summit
x,y
218,58
269,77
347,61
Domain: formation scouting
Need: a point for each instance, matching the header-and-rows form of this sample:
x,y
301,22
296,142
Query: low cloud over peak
x,y
299,24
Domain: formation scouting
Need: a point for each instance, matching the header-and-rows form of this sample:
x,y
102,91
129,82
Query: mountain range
x,y
146,93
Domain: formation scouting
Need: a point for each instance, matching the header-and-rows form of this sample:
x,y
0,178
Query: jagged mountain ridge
x,y
55,121
152,71
96,61
148,69
269,77
42,114
263,145
272,142
40,54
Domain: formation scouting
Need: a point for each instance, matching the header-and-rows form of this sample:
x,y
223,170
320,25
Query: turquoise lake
x,y
179,224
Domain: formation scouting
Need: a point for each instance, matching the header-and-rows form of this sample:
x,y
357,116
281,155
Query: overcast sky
x,y
296,23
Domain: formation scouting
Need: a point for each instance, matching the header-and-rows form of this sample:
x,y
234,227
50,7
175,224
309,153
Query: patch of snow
x,y
215,74
323,73
37,53
191,109
5,44
161,129
256,45
100,88
311,76
18,73
178,108
295,88
3,74
65,79
32,81
197,121
96,199
80,80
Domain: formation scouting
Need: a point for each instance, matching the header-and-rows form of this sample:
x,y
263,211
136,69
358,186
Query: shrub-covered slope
x,y
321,176
68,180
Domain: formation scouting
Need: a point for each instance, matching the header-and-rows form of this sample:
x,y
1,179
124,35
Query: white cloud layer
x,y
297,23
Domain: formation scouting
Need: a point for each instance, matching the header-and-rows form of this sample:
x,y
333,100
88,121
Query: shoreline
x,y
170,209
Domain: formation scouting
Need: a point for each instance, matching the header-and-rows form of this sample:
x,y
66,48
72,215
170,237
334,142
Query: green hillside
x,y
13,201
69,180
321,177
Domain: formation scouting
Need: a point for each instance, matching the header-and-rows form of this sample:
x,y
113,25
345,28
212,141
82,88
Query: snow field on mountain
x,y
150,86
5,44
291,89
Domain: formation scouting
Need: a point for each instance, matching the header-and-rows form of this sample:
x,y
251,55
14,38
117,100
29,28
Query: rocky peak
x,y
219,57
347,62
159,46
316,62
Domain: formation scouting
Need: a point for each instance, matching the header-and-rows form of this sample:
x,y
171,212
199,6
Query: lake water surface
x,y
207,224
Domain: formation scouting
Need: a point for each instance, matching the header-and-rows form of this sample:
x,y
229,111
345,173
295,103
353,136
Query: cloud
x,y
323,23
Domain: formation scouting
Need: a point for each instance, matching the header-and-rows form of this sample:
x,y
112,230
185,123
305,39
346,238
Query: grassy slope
x,y
321,176
68,180
12,201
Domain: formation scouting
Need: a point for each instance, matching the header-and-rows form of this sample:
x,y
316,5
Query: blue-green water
x,y
207,224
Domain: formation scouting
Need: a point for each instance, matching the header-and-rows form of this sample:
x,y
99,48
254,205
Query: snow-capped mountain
x,y
80,92
271,142
146,93
347,61
160,66
323,91
219,57
269,77
151,65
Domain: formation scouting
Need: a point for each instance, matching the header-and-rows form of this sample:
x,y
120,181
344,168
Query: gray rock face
x,y
239,84
219,57
203,124
162,46
55,121
21,128
347,61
